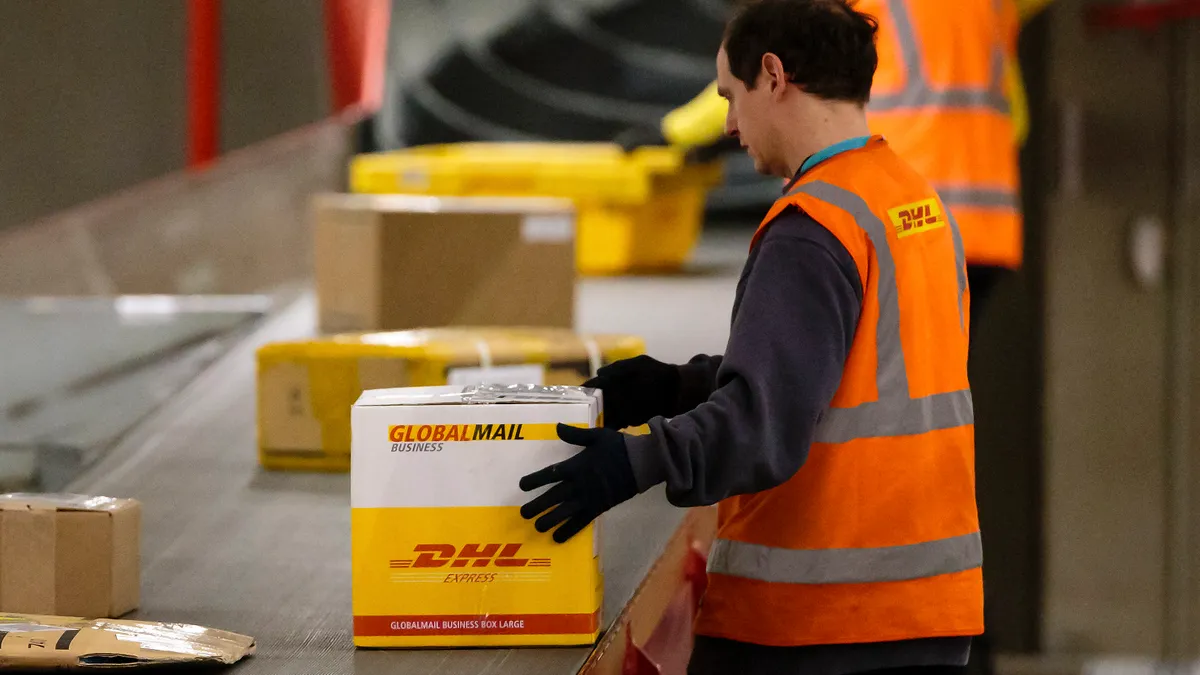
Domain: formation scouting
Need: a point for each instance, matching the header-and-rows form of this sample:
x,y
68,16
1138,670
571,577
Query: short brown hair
x,y
826,46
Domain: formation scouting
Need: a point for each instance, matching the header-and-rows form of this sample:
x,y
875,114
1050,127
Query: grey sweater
x,y
753,411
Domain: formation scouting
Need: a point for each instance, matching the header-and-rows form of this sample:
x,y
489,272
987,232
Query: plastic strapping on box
x,y
59,501
595,358
525,393
485,353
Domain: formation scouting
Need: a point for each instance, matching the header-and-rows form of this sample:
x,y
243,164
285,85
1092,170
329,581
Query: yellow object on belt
x,y
306,388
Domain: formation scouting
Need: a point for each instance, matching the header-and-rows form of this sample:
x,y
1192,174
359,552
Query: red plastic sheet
x,y
667,650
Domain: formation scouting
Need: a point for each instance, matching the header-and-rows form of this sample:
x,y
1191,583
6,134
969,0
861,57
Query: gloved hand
x,y
636,137
636,390
587,484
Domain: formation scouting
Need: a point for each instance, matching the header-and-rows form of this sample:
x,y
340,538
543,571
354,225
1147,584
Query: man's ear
x,y
776,76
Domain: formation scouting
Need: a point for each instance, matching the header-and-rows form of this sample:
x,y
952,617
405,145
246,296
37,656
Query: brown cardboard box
x,y
389,262
69,555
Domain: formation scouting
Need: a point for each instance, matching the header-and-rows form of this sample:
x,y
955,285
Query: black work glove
x,y
593,481
640,136
636,390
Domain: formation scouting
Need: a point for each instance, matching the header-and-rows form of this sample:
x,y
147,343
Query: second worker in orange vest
x,y
942,96
836,431
949,98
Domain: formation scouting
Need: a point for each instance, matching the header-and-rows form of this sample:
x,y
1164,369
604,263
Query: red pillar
x,y
203,80
375,54
340,47
355,40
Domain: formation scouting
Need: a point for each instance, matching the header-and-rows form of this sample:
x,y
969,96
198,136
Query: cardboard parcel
x,y
306,388
30,641
396,262
440,555
69,555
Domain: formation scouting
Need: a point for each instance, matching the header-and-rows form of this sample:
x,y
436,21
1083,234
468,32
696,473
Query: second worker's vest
x,y
940,98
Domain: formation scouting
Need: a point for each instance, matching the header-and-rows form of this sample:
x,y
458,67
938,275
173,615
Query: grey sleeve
x,y
697,381
783,363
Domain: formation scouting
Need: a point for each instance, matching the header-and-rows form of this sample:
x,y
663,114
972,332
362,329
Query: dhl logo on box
x,y
440,553
477,555
502,558
410,591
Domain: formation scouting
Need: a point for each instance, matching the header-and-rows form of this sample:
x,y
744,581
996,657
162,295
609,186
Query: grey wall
x,y
274,73
90,101
243,226
1187,634
1106,341
1114,572
92,96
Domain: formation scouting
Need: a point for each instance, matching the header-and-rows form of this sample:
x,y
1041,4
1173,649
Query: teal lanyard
x,y
832,151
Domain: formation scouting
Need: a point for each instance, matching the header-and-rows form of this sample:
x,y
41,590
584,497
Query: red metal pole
x,y
203,80
342,47
375,54
356,43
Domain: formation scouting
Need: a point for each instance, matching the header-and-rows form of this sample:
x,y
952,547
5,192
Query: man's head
x,y
790,69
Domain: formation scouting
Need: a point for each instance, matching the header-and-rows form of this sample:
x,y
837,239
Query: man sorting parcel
x,y
836,431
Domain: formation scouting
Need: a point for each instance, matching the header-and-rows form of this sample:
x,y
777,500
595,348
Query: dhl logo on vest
x,y
917,217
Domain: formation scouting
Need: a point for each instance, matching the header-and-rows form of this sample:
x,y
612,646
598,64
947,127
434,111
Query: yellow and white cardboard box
x,y
440,554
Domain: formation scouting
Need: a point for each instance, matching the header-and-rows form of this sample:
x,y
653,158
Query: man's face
x,y
748,118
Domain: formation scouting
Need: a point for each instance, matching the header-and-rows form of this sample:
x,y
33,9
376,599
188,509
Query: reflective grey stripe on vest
x,y
895,412
979,197
846,565
960,266
918,93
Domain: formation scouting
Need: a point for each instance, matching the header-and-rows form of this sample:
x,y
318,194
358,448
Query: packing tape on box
x,y
595,358
485,354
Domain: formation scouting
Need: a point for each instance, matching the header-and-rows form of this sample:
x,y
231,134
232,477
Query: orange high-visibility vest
x,y
876,538
940,97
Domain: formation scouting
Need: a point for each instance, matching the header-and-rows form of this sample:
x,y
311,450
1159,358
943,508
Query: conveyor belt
x,y
227,545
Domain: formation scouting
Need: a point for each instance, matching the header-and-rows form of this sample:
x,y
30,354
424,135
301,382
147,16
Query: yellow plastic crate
x,y
306,388
637,212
